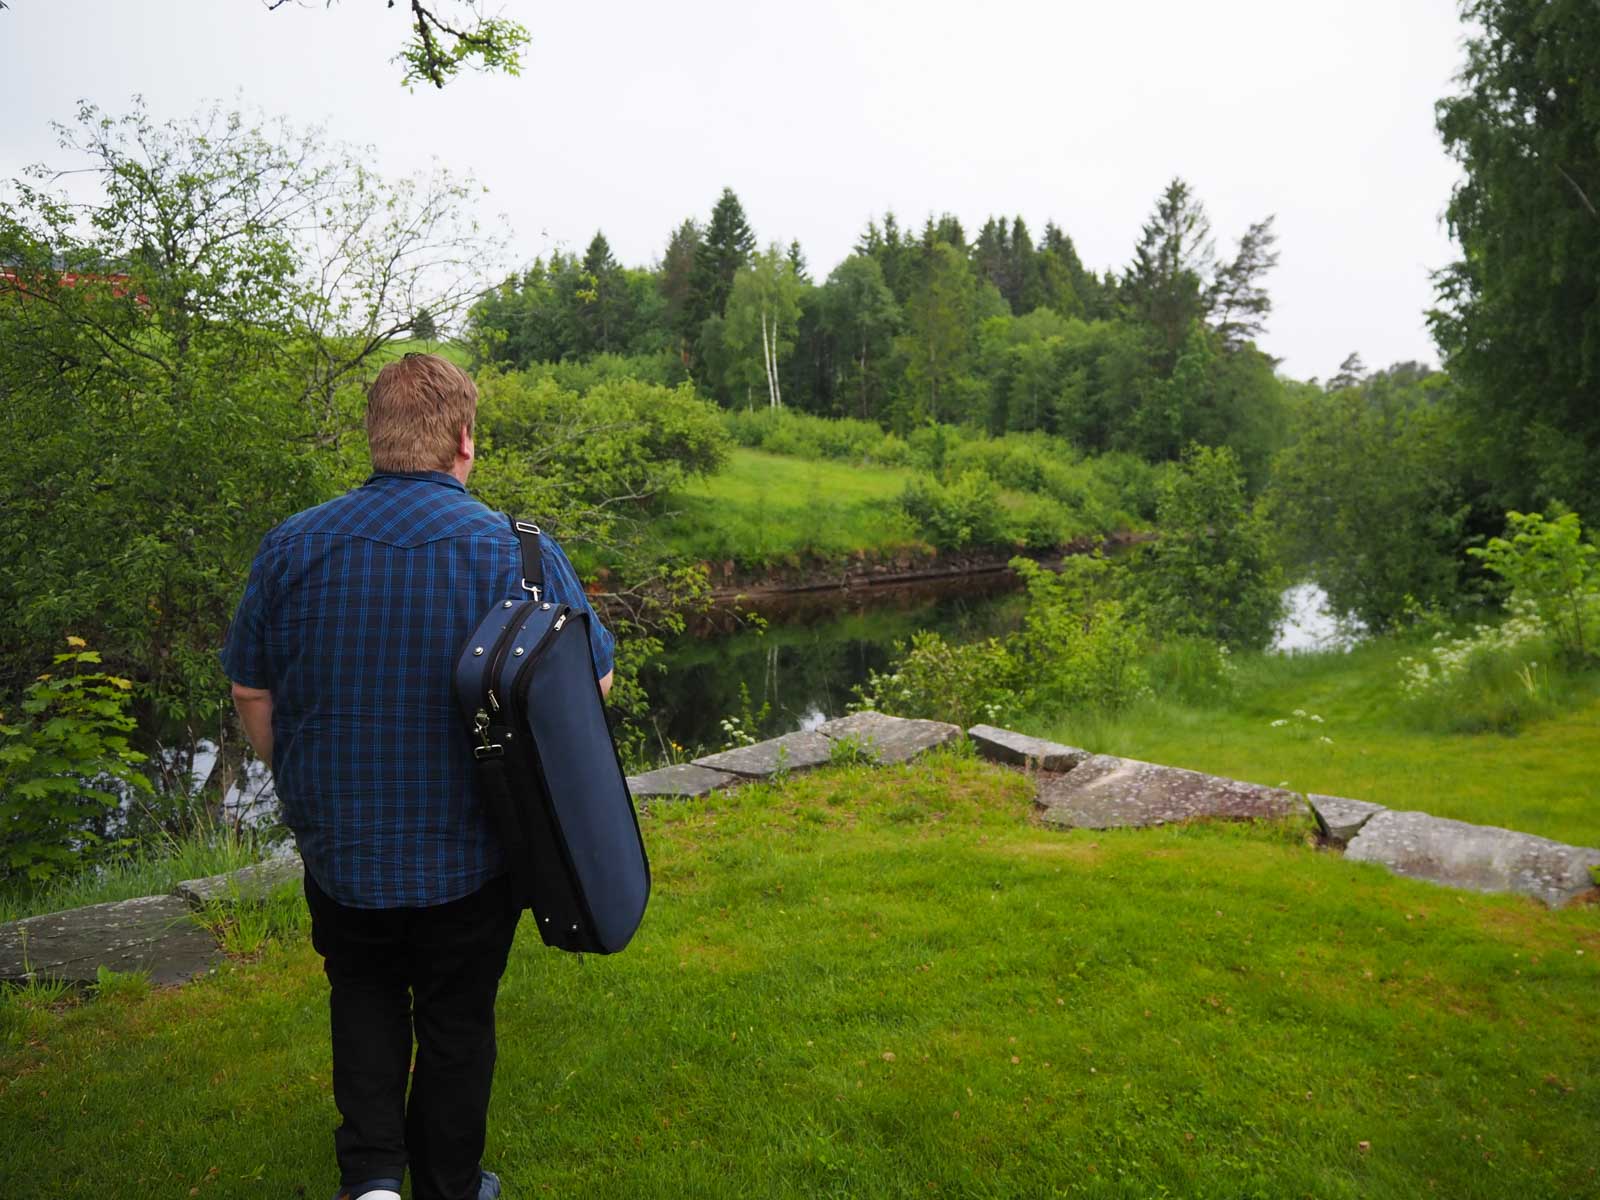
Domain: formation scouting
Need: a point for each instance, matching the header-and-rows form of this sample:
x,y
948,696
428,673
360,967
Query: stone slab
x,y
681,780
791,752
890,739
1483,858
248,884
1105,792
1340,819
1008,746
153,933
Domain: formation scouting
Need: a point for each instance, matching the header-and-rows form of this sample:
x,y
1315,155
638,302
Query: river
x,y
815,651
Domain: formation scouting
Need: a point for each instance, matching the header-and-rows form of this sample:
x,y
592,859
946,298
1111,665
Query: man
x,y
341,657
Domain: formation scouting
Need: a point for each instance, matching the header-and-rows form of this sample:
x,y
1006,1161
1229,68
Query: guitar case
x,y
547,766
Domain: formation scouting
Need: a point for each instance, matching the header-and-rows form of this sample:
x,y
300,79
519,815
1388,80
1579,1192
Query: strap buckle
x,y
529,527
486,748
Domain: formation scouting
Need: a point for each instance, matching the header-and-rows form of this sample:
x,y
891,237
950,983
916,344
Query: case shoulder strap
x,y
528,536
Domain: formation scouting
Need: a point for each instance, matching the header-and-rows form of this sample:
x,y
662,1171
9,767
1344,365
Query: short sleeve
x,y
244,649
562,583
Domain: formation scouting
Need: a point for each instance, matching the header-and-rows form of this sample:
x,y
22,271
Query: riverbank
x,y
911,567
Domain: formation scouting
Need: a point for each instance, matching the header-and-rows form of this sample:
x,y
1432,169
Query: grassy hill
x,y
765,510
892,984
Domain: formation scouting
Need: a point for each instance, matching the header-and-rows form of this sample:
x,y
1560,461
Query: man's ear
x,y
464,445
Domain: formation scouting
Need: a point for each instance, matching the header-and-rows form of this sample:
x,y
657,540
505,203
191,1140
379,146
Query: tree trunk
x,y
863,378
777,383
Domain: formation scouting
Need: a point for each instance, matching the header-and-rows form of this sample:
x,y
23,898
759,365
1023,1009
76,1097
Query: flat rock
x,y
1007,746
1341,819
248,884
890,739
1480,857
153,933
1105,792
681,780
791,752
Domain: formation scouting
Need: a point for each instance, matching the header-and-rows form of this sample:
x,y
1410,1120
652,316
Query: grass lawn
x,y
1543,779
765,509
893,984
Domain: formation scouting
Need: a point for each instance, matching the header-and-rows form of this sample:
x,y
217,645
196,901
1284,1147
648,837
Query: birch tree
x,y
763,313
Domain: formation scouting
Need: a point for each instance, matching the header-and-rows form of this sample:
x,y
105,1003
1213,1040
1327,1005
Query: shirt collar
x,y
441,477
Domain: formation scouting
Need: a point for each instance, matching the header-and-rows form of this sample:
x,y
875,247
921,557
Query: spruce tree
x,y
676,282
1164,287
797,262
726,249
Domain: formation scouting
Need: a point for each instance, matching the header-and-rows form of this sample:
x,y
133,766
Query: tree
x,y
893,252
723,252
1172,411
939,329
1211,573
1165,286
440,46
860,312
675,279
797,261
1518,318
1236,301
1372,498
763,310
604,302
423,327
182,352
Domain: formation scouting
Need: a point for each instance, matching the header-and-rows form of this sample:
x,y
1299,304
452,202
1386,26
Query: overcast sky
x,y
631,116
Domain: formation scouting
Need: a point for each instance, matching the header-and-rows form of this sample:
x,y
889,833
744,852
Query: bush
x,y
1553,572
801,435
1211,574
957,515
1078,647
62,767
965,684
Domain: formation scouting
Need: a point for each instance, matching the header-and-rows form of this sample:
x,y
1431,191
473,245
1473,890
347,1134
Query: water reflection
x,y
814,653
1309,625
806,663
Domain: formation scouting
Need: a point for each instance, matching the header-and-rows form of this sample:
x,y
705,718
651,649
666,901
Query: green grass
x,y
1540,779
769,510
151,871
891,983
765,509
449,350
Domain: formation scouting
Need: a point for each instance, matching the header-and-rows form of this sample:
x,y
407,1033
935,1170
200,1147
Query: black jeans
x,y
435,971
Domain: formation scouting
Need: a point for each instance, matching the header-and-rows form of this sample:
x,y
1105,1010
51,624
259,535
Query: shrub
x,y
61,768
1078,647
1211,574
965,684
1553,572
957,515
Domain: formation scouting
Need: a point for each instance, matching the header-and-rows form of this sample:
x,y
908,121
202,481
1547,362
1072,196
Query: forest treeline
x,y
992,330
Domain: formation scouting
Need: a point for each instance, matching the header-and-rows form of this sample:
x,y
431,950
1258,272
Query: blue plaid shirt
x,y
352,618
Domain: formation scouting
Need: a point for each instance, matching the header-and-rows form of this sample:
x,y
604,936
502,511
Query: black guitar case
x,y
547,767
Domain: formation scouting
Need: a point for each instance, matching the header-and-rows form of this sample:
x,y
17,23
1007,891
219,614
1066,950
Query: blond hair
x,y
416,409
